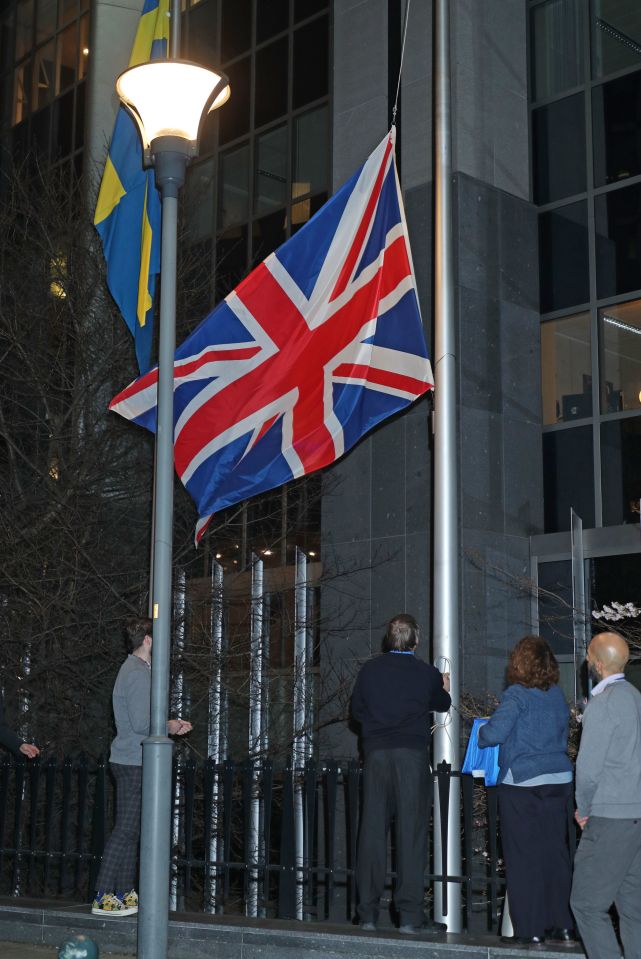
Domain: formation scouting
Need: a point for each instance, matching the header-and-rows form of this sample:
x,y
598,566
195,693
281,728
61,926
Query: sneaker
x,y
368,926
110,905
130,902
427,928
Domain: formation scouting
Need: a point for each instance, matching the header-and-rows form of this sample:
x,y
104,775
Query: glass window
x,y
234,187
310,153
620,341
568,477
307,8
21,91
24,27
558,132
84,48
196,281
62,130
43,76
236,28
616,35
563,257
234,122
616,112
555,605
621,470
618,241
271,171
46,19
267,235
231,260
40,125
203,34
271,82
304,210
6,38
566,368
557,47
199,201
615,579
67,58
67,10
79,137
310,62
272,17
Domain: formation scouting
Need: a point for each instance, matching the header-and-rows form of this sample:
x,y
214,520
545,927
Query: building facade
x,y
546,134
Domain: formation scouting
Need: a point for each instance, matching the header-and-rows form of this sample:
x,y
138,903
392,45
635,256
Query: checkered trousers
x,y
120,856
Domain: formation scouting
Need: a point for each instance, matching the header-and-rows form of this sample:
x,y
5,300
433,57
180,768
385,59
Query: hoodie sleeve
x,y
499,726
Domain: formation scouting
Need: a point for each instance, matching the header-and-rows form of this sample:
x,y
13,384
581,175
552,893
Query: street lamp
x,y
168,100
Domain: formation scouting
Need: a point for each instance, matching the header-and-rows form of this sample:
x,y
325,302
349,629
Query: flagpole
x,y
447,896
155,835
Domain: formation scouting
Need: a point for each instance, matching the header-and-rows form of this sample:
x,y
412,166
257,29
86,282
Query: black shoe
x,y
427,928
561,936
523,940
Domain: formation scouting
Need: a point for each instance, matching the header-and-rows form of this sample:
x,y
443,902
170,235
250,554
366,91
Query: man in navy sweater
x,y
393,699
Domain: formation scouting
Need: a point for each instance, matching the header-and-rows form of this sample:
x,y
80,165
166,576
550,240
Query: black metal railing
x,y
249,838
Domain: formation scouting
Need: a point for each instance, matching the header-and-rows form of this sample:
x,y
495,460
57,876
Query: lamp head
x,y
171,98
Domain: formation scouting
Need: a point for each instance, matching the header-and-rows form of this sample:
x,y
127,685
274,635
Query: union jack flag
x,y
321,342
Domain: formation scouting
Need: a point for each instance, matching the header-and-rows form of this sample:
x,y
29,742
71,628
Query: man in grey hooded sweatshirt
x,y
607,867
116,895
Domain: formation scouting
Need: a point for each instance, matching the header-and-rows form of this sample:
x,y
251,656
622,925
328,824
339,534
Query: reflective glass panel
x,y
234,187
67,57
21,91
67,10
272,17
557,47
79,136
568,477
271,82
84,48
196,282
566,369
621,470
43,76
236,28
271,171
307,8
558,150
620,341
555,605
618,241
231,260
62,130
311,71
616,123
310,153
199,201
24,27
616,35
202,34
304,210
267,234
563,257
46,19
234,116
40,125
6,39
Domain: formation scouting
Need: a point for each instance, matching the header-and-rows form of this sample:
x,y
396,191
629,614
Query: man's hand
x,y
29,750
446,682
580,819
178,727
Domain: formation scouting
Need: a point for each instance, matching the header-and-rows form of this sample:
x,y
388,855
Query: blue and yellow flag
x,y
128,212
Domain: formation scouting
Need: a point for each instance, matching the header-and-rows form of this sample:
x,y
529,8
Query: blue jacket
x,y
531,728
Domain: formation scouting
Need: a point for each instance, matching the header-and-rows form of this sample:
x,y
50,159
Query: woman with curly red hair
x,y
530,726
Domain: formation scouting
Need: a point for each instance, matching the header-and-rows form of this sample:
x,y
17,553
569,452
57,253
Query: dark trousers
x,y
397,785
607,869
119,859
534,832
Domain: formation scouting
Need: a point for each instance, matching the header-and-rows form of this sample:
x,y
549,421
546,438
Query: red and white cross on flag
x,y
321,342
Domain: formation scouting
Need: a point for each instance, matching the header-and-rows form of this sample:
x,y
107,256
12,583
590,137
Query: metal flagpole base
x,y
155,848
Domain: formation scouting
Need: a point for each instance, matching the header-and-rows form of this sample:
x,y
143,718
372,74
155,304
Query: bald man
x,y
607,867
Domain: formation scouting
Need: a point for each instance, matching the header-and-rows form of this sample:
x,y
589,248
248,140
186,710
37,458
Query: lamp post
x,y
168,100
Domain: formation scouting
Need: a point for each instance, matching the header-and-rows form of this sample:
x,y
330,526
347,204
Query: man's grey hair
x,y
402,633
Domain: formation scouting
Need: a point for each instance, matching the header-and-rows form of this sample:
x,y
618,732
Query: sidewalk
x,y
23,950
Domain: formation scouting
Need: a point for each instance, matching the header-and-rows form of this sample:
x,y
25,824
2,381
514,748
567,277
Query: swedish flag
x,y
128,212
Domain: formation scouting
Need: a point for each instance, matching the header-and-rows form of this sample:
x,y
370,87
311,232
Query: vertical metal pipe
x,y
255,725
446,481
214,726
179,707
299,731
174,31
157,748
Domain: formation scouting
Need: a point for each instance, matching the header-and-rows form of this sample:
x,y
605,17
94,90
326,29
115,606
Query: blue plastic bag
x,y
481,762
